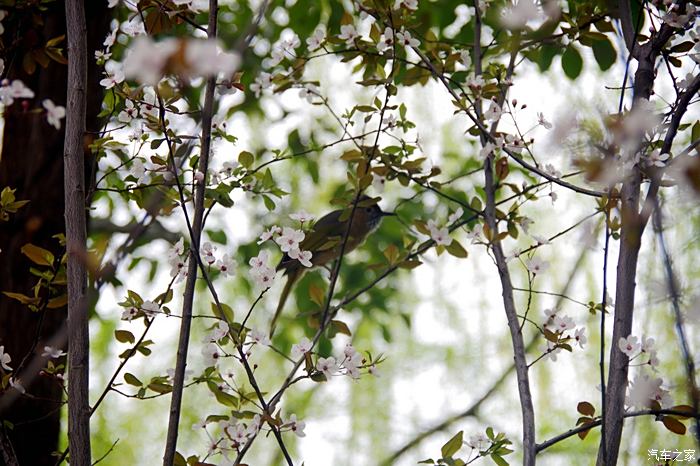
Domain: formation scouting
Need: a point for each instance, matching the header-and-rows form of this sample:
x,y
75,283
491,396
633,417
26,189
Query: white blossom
x,y
348,33
54,113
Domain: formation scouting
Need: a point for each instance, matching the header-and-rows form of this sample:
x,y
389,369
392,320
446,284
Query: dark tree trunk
x,y
32,163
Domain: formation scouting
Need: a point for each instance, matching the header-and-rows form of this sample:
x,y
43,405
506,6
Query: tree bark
x,y
76,238
32,163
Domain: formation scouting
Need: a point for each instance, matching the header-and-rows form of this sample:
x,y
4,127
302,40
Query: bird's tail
x,y
292,277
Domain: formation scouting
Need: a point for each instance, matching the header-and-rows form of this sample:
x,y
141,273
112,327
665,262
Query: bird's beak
x,y
388,214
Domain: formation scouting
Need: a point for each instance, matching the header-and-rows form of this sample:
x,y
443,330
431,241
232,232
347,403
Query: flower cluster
x,y
349,364
177,259
644,349
260,270
557,330
646,392
225,264
441,233
289,240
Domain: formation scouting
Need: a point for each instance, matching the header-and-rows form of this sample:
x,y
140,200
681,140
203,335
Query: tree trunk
x,y
32,163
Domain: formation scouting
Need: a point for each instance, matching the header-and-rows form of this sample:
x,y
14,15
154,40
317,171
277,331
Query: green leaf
x,y
58,301
453,445
131,379
499,460
269,203
604,53
695,132
246,159
179,460
457,250
338,326
547,54
683,47
160,387
124,336
571,62
227,311
39,256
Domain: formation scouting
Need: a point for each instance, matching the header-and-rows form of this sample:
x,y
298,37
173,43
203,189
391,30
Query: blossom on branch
x,y
348,33
301,348
630,346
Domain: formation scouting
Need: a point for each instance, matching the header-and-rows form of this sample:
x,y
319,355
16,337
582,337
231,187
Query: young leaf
x,y
131,379
39,256
586,408
453,445
124,336
457,250
674,425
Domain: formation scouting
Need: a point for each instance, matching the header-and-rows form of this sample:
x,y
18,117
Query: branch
x,y
472,410
491,138
680,329
75,213
571,432
628,30
196,231
679,112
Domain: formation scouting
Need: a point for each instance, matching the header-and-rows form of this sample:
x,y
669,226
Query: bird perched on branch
x,y
325,240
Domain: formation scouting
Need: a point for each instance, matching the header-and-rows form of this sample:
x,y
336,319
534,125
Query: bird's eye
x,y
368,210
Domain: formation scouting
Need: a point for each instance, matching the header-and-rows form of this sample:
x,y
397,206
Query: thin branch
x,y
603,401
473,410
571,432
196,231
672,284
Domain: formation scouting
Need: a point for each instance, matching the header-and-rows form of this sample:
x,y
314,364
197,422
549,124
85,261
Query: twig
x,y
114,444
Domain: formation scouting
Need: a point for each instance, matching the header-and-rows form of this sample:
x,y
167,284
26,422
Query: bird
x,y
324,242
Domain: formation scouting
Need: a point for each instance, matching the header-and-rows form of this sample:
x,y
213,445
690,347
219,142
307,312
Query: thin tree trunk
x,y
195,233
76,241
32,163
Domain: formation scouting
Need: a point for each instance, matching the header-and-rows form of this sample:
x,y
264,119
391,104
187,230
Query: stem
x,y
186,321
521,368
74,179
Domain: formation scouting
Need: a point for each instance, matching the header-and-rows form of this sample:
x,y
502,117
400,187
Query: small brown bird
x,y
325,242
